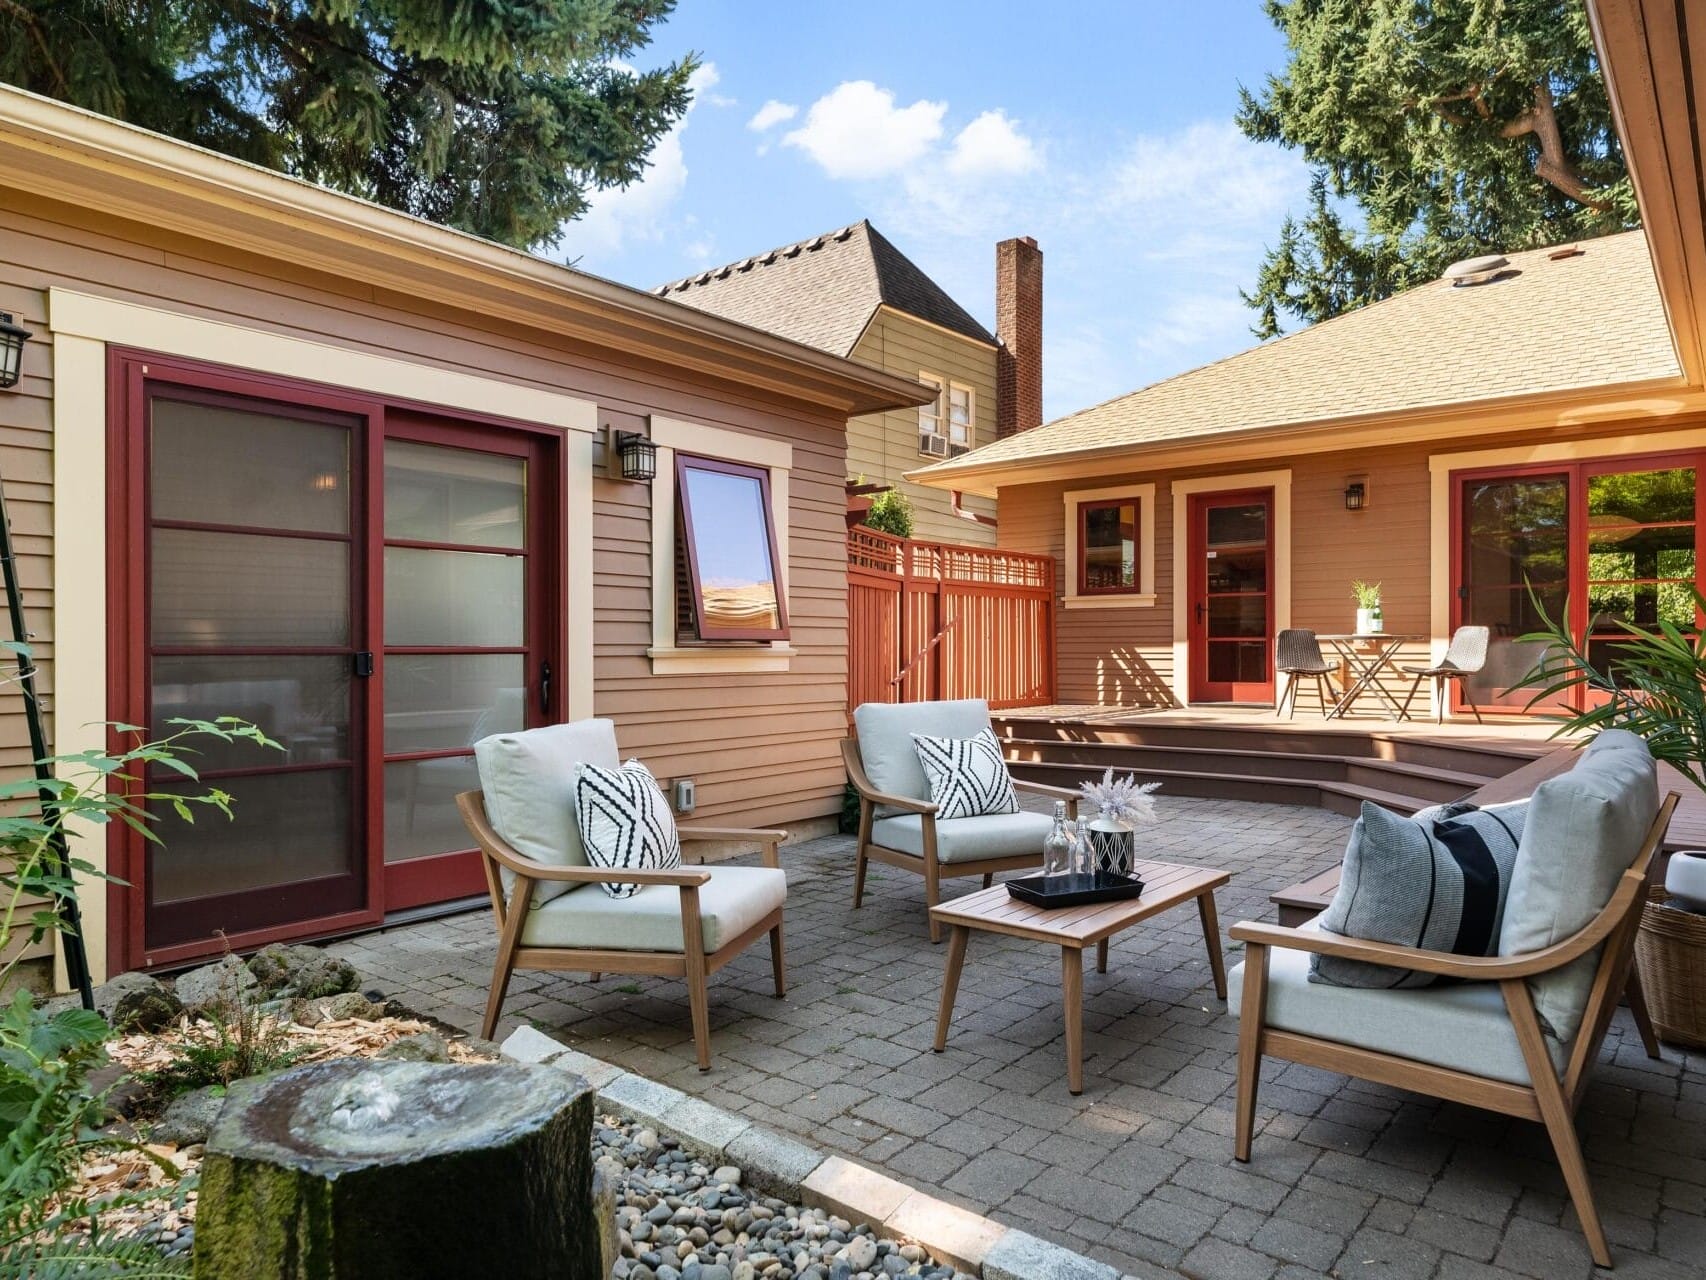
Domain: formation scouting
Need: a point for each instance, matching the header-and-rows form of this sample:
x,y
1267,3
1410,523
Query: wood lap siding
x,y
763,748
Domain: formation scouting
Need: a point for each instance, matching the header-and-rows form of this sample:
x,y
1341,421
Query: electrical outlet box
x,y
684,795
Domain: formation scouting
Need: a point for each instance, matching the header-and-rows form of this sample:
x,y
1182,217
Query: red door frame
x,y
129,373
1196,599
1575,471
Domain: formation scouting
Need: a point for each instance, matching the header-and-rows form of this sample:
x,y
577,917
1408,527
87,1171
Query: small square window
x,y
1107,547
728,542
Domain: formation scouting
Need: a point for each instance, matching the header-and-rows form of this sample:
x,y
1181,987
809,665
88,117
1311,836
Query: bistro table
x,y
1075,929
1367,654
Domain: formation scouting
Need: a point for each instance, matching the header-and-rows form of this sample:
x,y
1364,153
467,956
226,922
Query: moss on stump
x,y
382,1169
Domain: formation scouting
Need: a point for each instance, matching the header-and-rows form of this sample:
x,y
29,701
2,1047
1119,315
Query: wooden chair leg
x,y
1555,1114
866,817
1637,998
1102,956
1250,1048
698,998
509,938
500,986
932,895
778,967
594,977
988,879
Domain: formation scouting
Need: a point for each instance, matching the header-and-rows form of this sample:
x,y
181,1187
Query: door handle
x,y
363,664
1201,610
545,688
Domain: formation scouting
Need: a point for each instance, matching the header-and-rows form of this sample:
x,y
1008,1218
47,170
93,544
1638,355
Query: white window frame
x,y
668,656
971,415
1144,596
936,418
932,416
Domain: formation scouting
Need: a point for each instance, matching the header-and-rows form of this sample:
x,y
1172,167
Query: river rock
x,y
423,1046
215,986
189,1118
299,971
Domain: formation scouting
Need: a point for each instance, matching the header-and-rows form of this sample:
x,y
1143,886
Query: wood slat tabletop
x,y
1165,885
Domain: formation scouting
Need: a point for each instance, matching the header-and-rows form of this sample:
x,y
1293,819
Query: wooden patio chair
x,y
686,923
897,821
1480,1041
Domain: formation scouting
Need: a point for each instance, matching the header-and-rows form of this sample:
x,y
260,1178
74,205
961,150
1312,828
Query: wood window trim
x,y
684,463
668,657
1076,502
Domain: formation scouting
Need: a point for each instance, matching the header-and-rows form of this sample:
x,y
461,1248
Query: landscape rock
x,y
300,971
423,1046
137,1002
215,986
351,1004
189,1118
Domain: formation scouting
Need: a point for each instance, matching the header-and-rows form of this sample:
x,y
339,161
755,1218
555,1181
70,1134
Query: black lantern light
x,y
1356,495
12,339
639,455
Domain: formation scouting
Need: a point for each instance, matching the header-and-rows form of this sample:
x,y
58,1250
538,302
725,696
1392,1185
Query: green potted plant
x,y
1369,618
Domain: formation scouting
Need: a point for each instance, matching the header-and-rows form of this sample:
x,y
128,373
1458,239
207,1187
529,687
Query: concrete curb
x,y
790,1170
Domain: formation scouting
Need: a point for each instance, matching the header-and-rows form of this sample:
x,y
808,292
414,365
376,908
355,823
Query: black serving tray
x,y
1074,890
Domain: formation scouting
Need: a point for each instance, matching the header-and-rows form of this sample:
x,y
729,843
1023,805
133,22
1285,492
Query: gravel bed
x,y
679,1217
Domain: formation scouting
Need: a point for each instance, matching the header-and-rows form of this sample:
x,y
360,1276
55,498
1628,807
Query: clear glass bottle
x,y
1057,847
1083,852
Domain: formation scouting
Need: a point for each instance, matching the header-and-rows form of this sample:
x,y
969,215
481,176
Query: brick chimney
x,y
1019,327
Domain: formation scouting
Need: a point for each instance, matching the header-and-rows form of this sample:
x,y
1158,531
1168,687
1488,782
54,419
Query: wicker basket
x,y
1670,952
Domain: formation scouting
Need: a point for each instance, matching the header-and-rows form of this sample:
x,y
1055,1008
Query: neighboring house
x,y
1456,443
284,454
853,294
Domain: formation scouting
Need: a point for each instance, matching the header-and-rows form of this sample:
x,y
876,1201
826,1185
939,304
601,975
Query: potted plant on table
x,y
1369,618
1122,804
1653,684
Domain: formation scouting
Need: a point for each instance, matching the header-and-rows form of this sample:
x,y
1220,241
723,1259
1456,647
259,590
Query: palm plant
x,y
1653,685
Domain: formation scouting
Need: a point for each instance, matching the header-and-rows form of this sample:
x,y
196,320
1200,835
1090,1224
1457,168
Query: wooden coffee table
x,y
1073,929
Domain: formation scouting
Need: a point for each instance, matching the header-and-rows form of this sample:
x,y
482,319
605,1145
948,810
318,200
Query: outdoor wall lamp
x,y
638,454
12,339
1356,495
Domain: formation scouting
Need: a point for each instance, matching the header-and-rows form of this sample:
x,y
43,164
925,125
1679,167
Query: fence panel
x,y
931,620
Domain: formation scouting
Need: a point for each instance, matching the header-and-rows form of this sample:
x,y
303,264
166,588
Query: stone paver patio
x,y
1348,1179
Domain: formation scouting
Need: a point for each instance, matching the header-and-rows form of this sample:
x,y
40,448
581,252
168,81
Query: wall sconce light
x,y
1356,495
638,454
12,339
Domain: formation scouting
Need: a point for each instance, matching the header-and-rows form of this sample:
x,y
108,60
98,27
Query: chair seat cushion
x,y
991,835
735,899
1462,1027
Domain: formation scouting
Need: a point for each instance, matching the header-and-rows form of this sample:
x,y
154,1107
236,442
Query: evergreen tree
x,y
1436,130
492,116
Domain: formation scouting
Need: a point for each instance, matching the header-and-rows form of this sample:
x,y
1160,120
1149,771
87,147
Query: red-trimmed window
x,y
1107,547
728,545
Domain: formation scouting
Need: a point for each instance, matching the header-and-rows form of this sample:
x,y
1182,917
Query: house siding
x,y
885,446
1125,656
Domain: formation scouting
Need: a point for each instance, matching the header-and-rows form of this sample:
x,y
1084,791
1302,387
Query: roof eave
x,y
52,150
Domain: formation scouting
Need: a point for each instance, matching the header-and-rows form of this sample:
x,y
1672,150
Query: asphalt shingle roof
x,y
823,291
1544,326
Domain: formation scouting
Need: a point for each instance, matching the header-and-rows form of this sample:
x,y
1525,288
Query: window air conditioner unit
x,y
956,450
931,445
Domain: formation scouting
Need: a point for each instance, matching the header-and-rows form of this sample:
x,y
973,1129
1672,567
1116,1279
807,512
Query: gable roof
x,y
1546,326
823,291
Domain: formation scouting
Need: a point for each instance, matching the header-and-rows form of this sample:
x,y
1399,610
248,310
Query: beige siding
x,y
885,446
763,748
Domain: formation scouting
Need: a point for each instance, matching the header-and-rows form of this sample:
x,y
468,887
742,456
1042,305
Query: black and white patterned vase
x,y
1114,844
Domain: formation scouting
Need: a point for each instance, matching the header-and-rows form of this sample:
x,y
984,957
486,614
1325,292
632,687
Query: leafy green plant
x,y
890,512
1367,594
242,1042
1653,684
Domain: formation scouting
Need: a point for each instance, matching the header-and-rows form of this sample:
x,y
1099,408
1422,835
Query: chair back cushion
x,y
968,777
1437,881
886,748
528,780
1583,832
625,822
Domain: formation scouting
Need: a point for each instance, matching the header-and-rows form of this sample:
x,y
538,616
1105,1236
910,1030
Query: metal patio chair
x,y
1298,654
1464,656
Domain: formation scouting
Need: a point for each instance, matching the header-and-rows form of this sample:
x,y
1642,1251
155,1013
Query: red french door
x,y
1229,600
371,585
1593,542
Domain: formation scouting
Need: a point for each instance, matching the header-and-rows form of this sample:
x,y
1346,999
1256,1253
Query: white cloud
x,y
856,131
1219,174
771,114
992,146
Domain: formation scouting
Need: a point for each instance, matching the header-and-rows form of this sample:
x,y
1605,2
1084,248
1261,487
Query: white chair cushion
x,y
1463,1027
992,835
886,748
528,780
735,899
1584,829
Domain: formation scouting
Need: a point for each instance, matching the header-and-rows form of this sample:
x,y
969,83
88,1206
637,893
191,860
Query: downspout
x,y
974,516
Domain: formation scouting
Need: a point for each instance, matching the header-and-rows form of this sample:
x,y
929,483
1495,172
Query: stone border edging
x,y
788,1169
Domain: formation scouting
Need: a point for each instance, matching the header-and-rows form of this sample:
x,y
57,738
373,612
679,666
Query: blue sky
x,y
1103,130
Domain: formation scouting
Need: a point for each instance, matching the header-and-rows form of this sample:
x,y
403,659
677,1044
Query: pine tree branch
x,y
28,21
1553,166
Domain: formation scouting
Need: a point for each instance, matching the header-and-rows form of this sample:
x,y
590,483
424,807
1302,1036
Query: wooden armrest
x,y
684,877
756,834
1069,794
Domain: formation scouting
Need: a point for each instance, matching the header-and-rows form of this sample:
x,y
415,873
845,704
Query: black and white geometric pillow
x,y
967,776
625,822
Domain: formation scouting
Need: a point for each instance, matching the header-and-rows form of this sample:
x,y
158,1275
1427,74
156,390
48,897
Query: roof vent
x,y
1475,270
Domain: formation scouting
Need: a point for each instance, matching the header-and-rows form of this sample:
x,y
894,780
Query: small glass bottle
x,y
1057,847
1083,853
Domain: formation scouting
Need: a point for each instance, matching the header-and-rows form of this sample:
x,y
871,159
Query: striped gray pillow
x,y
1436,881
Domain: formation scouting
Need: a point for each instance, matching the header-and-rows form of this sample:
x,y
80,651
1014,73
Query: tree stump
x,y
380,1169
